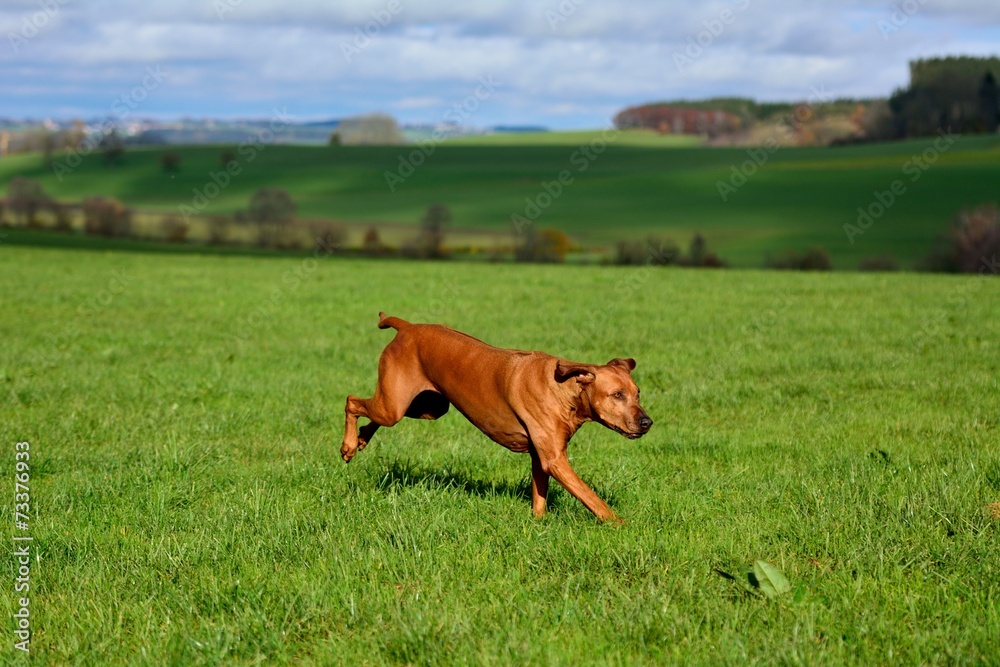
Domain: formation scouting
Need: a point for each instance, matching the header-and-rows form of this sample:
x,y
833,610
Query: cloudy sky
x,y
558,63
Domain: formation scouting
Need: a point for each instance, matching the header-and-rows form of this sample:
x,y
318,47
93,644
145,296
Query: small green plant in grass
x,y
760,578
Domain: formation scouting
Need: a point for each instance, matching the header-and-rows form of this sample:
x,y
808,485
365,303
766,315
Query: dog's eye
x,y
618,394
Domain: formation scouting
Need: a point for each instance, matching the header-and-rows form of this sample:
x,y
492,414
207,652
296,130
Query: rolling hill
x,y
747,202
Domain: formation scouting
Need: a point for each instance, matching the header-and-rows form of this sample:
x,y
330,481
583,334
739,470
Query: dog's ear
x,y
627,364
584,373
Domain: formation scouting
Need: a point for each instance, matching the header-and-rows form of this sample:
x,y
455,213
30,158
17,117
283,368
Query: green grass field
x,y
798,198
188,504
574,138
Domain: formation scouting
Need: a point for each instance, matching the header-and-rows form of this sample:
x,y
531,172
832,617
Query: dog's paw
x,y
347,453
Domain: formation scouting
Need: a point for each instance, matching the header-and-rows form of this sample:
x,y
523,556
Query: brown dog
x,y
526,401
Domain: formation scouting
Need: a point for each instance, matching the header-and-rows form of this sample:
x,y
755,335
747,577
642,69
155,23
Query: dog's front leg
x,y
539,485
557,465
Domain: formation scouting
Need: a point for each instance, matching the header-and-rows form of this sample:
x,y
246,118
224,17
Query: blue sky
x,y
558,63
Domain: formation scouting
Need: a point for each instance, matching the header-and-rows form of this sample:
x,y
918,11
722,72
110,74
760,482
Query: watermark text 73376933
x,y
22,544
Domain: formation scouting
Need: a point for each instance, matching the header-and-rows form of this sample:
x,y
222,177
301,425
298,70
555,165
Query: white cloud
x,y
419,103
559,66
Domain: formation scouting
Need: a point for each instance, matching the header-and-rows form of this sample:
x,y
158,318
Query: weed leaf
x,y
768,579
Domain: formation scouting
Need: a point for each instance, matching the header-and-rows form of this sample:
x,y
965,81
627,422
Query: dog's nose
x,y
645,422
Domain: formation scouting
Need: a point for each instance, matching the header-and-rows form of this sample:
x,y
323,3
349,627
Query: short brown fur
x,y
526,401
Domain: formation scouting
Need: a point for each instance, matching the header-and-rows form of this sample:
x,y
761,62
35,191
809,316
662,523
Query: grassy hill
x,y
798,197
572,139
189,505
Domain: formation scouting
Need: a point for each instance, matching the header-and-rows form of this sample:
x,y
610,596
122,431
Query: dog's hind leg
x,y
365,434
426,405
372,408
392,400
355,408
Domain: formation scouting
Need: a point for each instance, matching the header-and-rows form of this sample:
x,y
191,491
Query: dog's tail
x,y
384,322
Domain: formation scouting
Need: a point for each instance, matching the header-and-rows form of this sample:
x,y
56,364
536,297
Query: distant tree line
x,y
720,116
657,251
669,119
957,94
44,140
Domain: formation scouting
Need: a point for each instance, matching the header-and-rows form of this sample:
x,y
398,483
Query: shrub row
x,y
970,244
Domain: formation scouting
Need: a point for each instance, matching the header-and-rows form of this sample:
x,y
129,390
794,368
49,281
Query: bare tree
x,y
272,210
218,229
975,237
329,236
174,228
696,256
431,240
106,217
48,140
372,243
26,198
171,162
76,134
547,245
112,147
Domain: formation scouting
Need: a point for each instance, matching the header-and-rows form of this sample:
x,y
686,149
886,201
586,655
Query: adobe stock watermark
x,y
363,35
291,280
116,284
562,13
248,150
763,321
899,17
120,109
34,23
758,156
625,288
958,298
22,544
441,302
703,39
456,114
550,191
883,200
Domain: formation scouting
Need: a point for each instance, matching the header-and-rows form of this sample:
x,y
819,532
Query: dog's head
x,y
609,394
